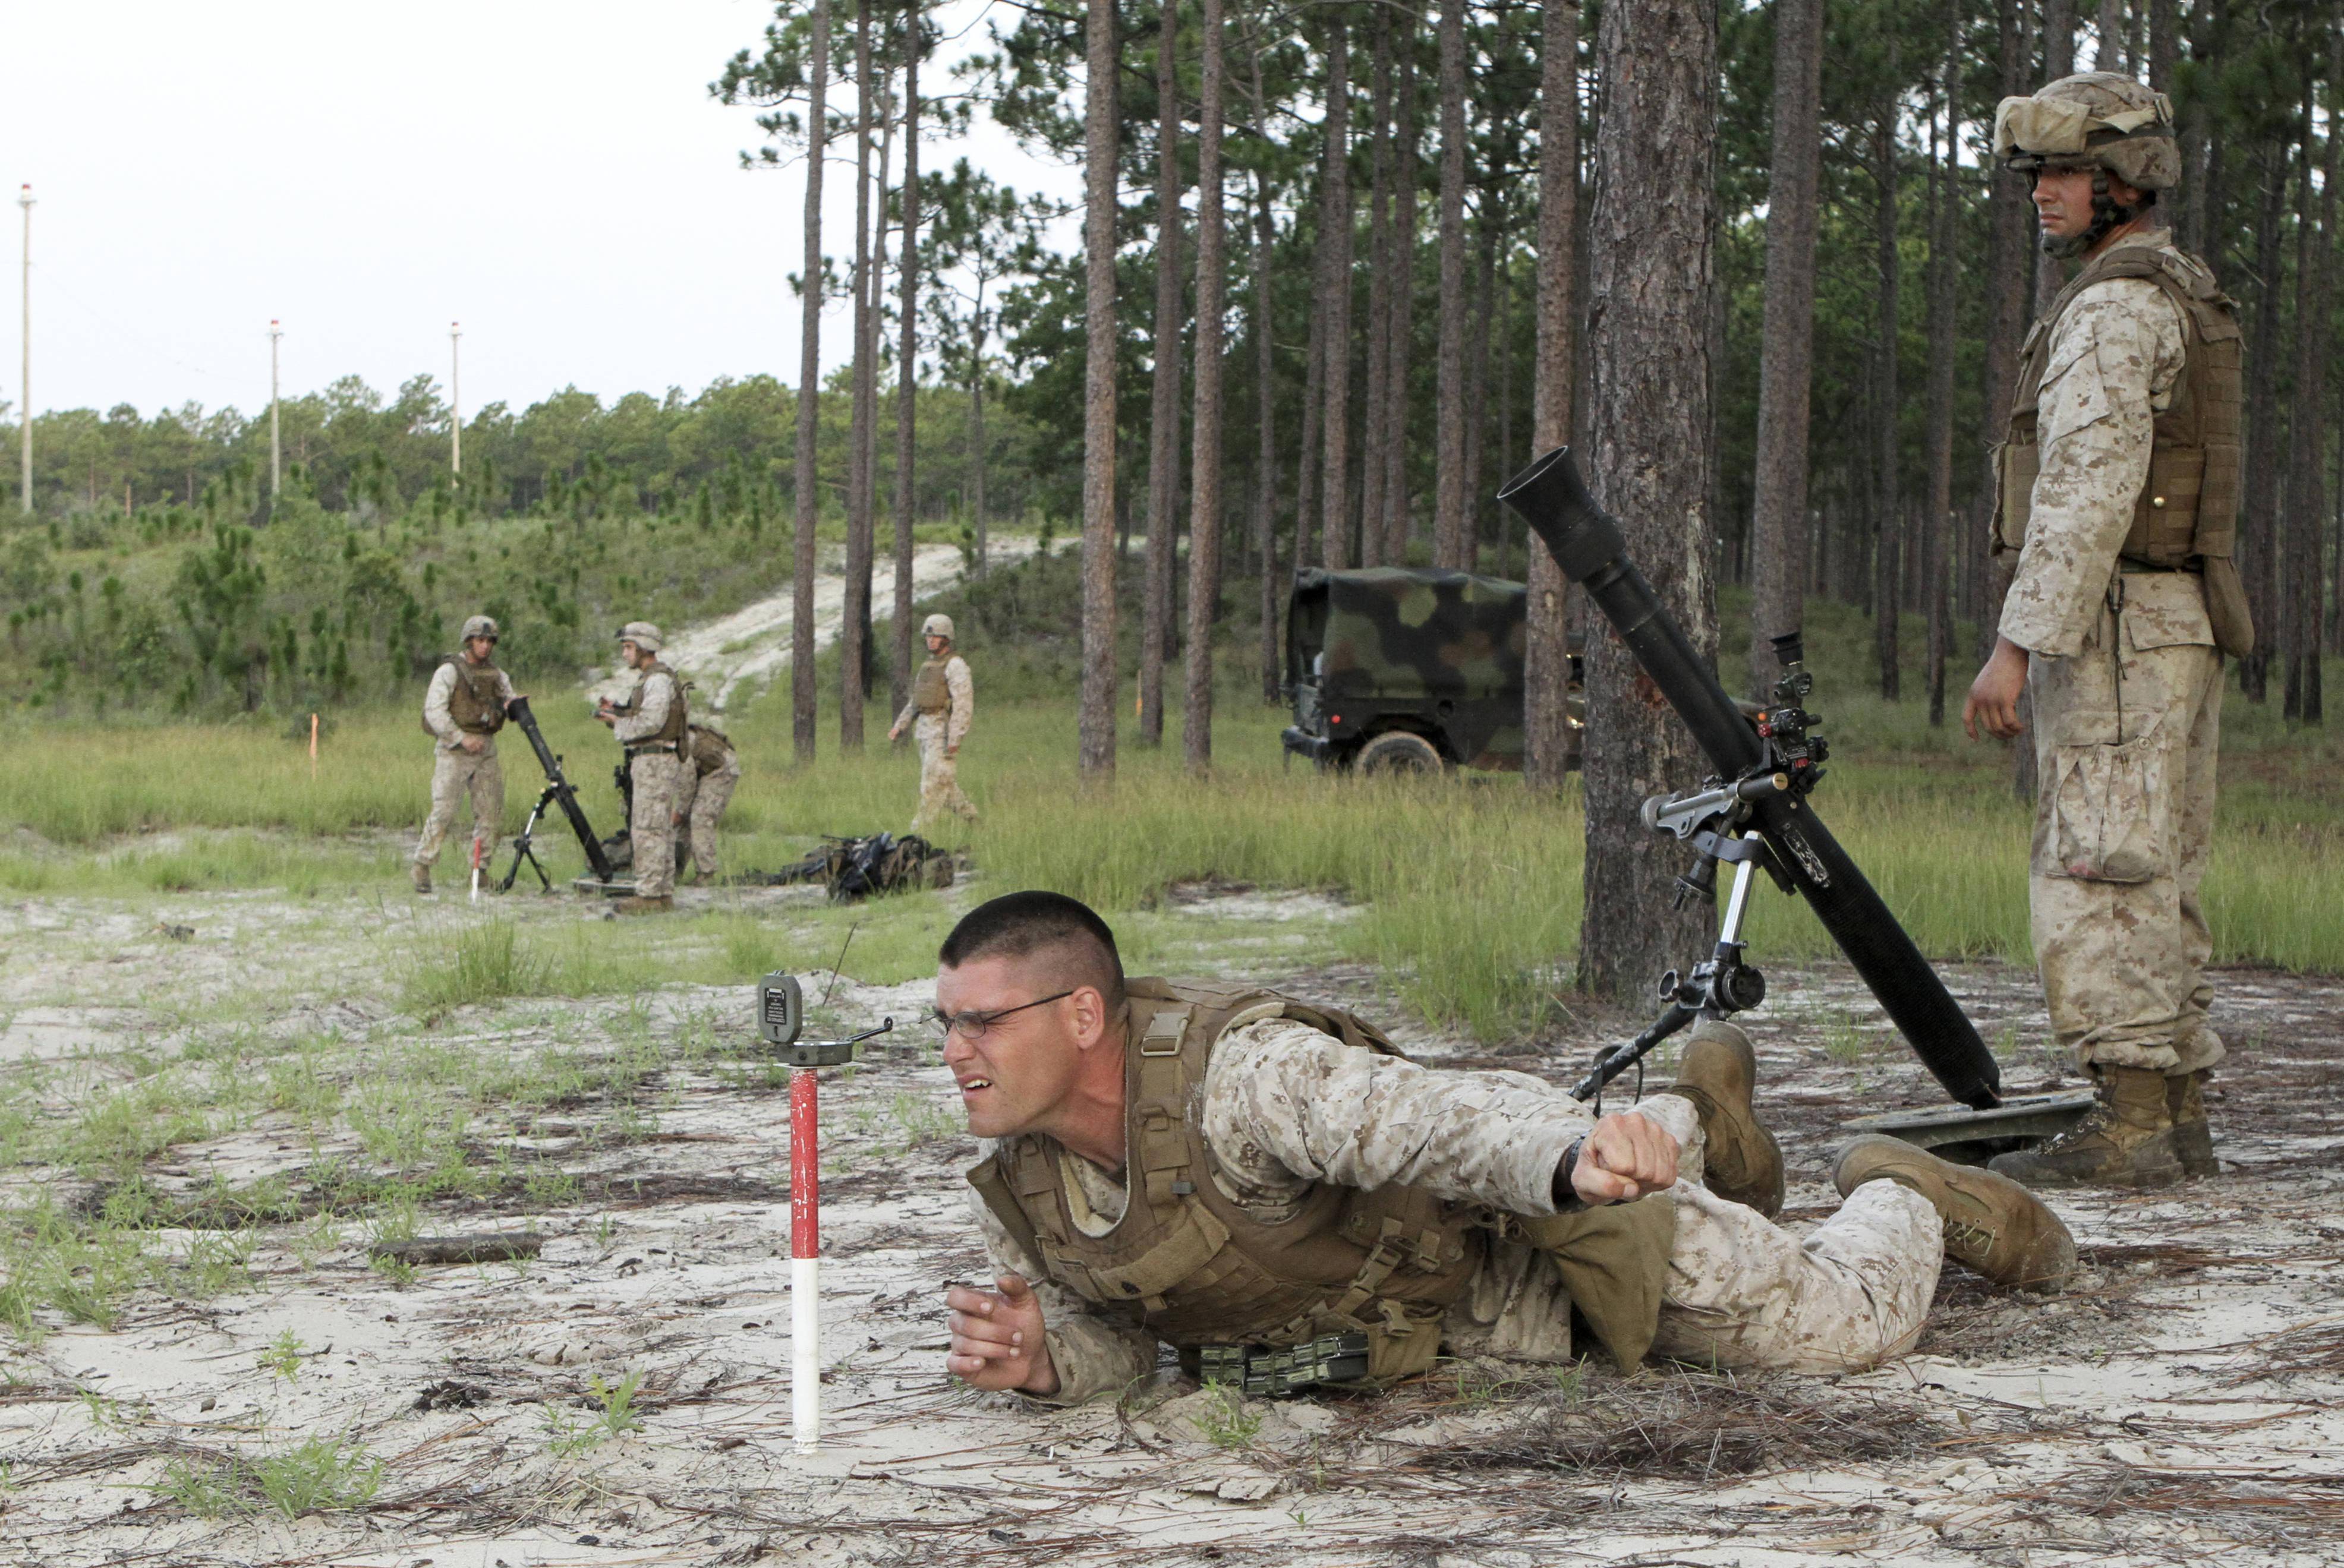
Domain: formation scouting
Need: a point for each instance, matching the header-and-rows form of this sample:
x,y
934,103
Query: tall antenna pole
x,y
276,436
25,414
455,400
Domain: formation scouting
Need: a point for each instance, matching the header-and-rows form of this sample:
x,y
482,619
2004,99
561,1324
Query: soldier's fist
x,y
996,1338
1625,1157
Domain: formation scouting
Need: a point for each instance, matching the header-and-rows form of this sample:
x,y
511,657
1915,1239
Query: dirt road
x,y
272,1098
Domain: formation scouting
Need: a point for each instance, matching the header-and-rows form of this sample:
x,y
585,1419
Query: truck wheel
x,y
1399,752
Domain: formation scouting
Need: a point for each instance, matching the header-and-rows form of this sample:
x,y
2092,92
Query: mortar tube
x,y
806,1262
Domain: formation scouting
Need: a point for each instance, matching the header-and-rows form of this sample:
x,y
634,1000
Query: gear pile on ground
x,y
854,869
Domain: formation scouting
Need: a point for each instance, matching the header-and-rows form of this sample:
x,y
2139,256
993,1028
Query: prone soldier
x,y
651,724
463,709
710,770
1270,1187
2117,495
943,700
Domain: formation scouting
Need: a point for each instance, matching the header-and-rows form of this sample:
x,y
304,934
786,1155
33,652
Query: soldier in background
x,y
710,773
1270,1188
943,700
463,709
651,724
2118,494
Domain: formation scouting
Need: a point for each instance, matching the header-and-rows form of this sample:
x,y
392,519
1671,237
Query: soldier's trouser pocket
x,y
2106,817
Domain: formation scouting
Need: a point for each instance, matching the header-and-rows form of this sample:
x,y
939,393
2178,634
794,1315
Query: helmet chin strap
x,y
2106,215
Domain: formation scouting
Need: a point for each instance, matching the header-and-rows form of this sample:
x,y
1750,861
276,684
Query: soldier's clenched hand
x,y
1995,694
996,1338
1626,1156
474,743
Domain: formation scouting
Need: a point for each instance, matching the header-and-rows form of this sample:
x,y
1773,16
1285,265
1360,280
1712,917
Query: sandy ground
x,y
738,654
2184,1401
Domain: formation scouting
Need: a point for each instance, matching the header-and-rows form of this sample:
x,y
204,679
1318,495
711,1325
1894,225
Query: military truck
x,y
1394,669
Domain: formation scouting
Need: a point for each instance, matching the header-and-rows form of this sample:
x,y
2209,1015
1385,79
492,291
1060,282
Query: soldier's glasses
x,y
973,1024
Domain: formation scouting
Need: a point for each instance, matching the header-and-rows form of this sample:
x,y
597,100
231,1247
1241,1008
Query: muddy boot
x,y
1741,1161
2193,1138
660,905
2125,1140
1993,1225
422,874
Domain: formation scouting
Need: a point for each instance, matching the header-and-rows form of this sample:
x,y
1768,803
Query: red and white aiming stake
x,y
780,1012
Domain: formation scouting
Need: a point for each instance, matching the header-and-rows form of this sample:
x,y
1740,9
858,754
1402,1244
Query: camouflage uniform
x,y
943,700
704,787
656,774
2126,686
1288,1108
457,774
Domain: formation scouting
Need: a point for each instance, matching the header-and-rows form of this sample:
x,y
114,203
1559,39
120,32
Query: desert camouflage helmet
x,y
481,626
644,635
2092,120
937,626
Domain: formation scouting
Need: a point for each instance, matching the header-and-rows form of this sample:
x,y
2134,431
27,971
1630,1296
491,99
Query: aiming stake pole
x,y
806,1261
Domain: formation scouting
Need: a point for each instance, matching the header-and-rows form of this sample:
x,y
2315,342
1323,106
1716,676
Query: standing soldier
x,y
651,724
2118,494
709,773
463,709
944,699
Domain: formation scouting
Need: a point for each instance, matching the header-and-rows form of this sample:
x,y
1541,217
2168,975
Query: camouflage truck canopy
x,y
1394,632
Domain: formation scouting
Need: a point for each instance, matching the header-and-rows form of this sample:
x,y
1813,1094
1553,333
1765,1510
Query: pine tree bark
x,y
1888,510
1376,400
806,503
1449,498
1648,460
1163,395
1477,387
1095,722
1936,521
1264,369
899,686
1314,399
1778,524
2007,271
1546,674
1335,305
1403,301
2315,254
1204,437
2260,534
856,609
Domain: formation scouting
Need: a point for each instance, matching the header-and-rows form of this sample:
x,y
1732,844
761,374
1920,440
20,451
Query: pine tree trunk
x,y
1888,510
2306,502
2108,35
1648,460
1936,522
2058,60
1376,400
1448,499
1314,399
1403,304
806,503
899,686
976,454
1096,723
1477,387
1335,305
1778,524
2260,539
2007,270
1546,674
856,608
1205,484
1264,369
1164,395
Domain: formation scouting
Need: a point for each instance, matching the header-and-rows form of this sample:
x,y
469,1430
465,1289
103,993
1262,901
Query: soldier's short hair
x,y
1023,925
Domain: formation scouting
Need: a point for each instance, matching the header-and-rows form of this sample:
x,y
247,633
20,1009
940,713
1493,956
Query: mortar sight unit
x,y
1752,812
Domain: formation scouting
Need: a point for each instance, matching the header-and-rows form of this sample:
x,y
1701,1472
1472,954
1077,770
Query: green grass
x,y
316,1474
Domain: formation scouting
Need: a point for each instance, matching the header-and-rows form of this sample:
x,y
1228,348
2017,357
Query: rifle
x,y
558,792
1755,811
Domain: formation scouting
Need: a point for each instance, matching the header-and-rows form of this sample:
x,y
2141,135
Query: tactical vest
x,y
671,733
707,749
475,703
930,694
2186,516
1191,1267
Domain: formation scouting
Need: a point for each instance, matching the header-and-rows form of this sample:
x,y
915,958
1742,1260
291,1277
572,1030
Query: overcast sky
x,y
552,173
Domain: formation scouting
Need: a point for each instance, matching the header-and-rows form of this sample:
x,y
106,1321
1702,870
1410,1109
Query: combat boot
x,y
1741,1161
633,905
2125,1140
420,874
2192,1137
1993,1225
